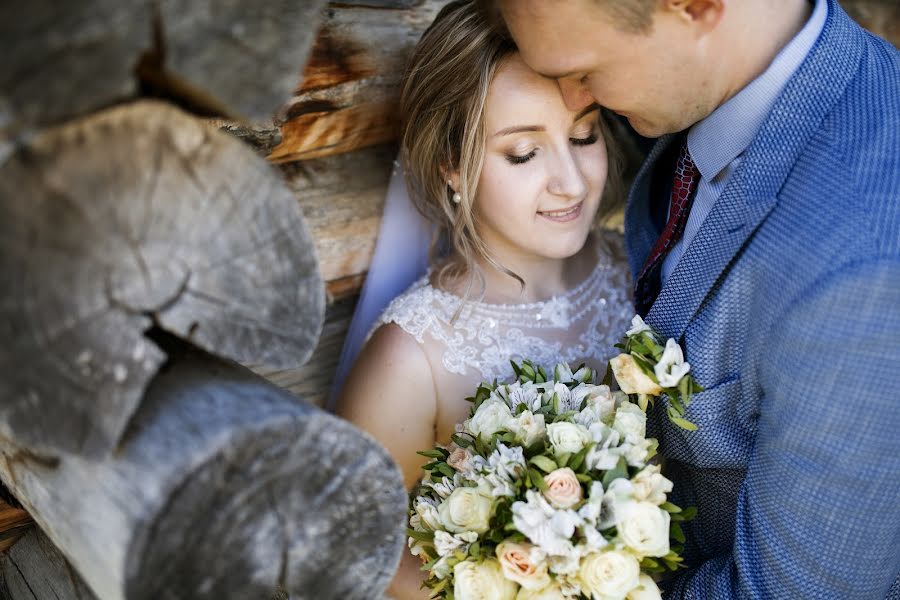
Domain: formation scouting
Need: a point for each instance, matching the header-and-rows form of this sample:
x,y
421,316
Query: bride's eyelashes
x,y
519,159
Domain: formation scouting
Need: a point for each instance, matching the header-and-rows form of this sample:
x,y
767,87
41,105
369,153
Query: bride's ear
x,y
451,176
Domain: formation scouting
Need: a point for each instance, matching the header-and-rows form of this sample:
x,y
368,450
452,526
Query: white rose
x,y
482,581
651,485
671,366
461,460
646,590
528,427
567,437
551,592
563,488
610,574
630,421
631,378
524,564
466,509
492,416
643,527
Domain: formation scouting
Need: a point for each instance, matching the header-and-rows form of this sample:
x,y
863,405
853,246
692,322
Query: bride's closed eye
x,y
587,139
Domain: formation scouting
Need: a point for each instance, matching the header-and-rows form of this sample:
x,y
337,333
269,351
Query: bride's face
x,y
544,168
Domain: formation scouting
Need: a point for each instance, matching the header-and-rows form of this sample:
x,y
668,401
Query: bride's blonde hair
x,y
442,103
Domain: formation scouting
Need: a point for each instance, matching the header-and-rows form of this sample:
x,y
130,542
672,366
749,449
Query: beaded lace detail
x,y
582,324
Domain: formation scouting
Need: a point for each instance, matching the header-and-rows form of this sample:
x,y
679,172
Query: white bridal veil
x,y
401,257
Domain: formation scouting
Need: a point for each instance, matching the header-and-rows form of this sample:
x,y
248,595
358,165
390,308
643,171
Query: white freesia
x,y
523,563
671,366
426,511
643,527
609,574
481,581
466,509
646,589
551,592
650,485
636,453
604,455
445,543
567,438
548,528
492,416
528,427
637,326
631,378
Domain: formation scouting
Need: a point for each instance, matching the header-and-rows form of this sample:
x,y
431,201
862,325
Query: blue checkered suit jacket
x,y
787,303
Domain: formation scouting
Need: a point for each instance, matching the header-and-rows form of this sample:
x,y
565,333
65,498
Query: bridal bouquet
x,y
547,492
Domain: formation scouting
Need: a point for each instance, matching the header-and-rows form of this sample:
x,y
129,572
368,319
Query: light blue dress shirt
x,y
717,142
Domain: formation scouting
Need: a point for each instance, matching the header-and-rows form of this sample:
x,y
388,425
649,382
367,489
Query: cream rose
x,y
551,592
610,574
563,488
461,460
630,421
567,437
643,527
482,581
651,485
523,563
630,377
466,509
646,590
528,427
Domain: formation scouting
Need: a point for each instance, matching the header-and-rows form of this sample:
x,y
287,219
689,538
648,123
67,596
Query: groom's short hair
x,y
633,16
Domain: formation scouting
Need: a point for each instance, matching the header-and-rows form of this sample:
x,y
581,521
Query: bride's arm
x,y
390,394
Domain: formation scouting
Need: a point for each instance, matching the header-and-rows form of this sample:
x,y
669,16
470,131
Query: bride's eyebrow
x,y
531,128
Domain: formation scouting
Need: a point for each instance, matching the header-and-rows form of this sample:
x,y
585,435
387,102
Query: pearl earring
x,y
457,197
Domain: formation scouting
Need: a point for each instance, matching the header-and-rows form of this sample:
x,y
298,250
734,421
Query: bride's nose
x,y
566,179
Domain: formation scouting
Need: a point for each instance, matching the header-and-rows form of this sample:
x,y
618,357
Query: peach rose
x,y
461,460
518,563
563,488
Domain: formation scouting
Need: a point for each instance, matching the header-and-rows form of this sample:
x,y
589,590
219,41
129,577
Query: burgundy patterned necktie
x,y
648,283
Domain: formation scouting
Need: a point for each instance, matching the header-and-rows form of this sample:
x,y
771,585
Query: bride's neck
x,y
543,277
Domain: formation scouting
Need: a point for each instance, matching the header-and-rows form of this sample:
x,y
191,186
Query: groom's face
x,y
653,78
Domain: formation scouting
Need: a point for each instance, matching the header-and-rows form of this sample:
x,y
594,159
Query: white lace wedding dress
x,y
581,325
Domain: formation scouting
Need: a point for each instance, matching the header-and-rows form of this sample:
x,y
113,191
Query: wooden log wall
x,y
143,254
335,142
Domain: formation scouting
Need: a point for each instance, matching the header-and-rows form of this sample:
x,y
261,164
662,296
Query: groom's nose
x,y
575,94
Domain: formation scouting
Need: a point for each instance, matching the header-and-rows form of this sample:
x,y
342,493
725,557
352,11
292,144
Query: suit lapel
x,y
640,233
752,192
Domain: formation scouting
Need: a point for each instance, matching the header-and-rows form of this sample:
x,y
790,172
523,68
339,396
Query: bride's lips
x,y
563,215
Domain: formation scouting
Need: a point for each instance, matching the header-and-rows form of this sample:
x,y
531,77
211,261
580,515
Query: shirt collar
x,y
743,114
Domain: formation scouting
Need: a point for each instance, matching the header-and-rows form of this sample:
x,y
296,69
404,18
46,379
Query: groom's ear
x,y
703,13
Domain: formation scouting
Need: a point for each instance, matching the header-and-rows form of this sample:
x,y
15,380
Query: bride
x,y
512,180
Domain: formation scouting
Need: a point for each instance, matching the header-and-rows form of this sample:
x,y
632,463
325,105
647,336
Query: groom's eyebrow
x,y
530,128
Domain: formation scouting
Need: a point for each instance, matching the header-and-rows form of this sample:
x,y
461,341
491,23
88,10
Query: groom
x,y
764,235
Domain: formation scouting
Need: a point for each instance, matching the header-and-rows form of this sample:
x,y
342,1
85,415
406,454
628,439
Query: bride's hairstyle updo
x,y
442,104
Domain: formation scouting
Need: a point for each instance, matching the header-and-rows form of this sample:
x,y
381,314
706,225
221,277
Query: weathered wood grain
x,y
68,59
312,381
139,216
245,55
348,99
342,198
224,486
34,569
